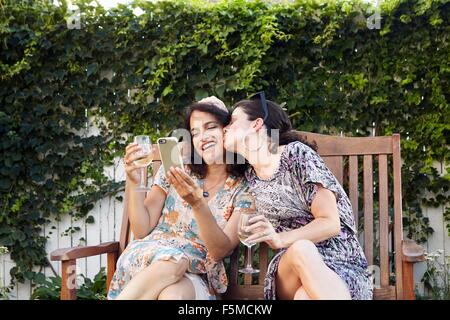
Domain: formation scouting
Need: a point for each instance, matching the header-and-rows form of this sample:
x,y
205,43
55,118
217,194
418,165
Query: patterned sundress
x,y
176,236
286,198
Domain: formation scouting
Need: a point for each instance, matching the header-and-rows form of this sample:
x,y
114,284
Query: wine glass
x,y
145,158
248,211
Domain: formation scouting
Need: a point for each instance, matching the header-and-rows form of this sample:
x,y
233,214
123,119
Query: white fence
x,y
439,240
108,217
106,227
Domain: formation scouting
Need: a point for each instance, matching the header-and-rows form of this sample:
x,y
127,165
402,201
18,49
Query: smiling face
x,y
207,137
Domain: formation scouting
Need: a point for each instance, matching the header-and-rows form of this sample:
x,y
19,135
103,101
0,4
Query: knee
x,y
174,292
302,252
170,293
169,270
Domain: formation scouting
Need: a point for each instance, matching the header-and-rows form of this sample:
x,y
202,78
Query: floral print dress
x,y
286,198
176,236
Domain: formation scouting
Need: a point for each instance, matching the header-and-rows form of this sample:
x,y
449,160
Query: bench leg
x,y
408,281
111,268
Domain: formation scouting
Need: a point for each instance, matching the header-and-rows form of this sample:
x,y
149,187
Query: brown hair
x,y
277,118
224,118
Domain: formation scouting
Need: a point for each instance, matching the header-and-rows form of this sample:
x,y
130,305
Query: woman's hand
x,y
262,230
186,188
131,154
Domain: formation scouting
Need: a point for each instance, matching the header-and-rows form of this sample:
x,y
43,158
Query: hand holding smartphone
x,y
170,153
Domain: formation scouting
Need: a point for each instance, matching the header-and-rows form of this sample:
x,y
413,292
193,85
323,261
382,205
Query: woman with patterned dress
x,y
187,223
305,213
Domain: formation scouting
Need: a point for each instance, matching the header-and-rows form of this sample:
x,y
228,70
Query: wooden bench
x,y
351,159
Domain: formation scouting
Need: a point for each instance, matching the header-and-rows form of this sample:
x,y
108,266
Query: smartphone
x,y
170,153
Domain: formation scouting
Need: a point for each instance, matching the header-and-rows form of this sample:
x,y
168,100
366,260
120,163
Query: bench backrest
x,y
376,202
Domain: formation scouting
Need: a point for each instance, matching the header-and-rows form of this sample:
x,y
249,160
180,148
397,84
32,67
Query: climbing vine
x,y
127,73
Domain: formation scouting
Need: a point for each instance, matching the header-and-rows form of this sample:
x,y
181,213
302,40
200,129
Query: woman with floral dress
x,y
305,213
187,223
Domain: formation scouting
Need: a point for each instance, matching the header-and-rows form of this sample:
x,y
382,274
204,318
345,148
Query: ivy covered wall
x,y
134,74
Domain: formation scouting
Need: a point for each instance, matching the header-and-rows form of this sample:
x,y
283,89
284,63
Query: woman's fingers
x,y
257,225
261,229
131,145
259,237
179,184
129,154
257,218
258,240
133,157
183,176
131,149
172,179
184,183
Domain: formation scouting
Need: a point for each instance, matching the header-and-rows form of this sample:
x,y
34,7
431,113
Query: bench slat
x,y
384,219
398,226
335,164
368,208
338,146
245,292
353,186
386,293
263,261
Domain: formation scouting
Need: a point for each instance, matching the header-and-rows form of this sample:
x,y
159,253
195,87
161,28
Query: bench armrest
x,y
412,252
82,252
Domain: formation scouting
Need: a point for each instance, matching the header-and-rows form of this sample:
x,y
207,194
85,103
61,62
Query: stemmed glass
x,y
145,158
248,211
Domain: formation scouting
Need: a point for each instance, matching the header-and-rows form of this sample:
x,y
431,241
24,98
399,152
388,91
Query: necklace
x,y
205,192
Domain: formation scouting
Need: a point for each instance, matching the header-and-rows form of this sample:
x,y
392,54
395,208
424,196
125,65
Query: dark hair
x,y
277,118
223,117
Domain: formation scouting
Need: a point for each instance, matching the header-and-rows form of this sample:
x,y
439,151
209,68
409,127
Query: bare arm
x,y
218,242
143,212
326,223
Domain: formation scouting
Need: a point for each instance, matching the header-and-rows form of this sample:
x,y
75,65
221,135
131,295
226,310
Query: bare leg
x,y
181,290
148,283
287,282
301,295
315,277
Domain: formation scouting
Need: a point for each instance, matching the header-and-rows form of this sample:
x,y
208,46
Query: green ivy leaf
x,y
200,94
92,68
90,219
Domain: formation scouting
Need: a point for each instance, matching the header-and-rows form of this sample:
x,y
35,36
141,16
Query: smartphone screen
x,y
170,153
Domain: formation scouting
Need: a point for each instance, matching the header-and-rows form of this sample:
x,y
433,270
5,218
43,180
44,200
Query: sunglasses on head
x,y
262,97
